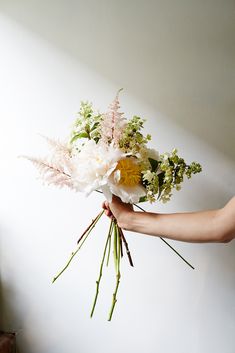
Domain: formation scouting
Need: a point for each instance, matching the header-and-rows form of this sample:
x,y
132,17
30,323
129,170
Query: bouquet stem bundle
x,y
115,236
116,239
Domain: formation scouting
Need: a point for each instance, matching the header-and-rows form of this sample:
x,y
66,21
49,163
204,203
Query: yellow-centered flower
x,y
130,174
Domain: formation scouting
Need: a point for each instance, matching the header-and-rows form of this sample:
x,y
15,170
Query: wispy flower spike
x,y
52,173
58,147
113,123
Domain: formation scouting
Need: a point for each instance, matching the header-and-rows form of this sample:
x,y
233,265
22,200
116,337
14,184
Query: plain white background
x,y
175,60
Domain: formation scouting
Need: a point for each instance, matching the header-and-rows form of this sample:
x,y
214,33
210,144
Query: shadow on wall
x,y
177,56
9,318
10,321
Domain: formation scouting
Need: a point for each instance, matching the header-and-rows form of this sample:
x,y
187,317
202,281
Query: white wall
x,y
163,306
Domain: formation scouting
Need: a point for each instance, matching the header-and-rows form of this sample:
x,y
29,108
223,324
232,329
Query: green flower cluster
x,y
167,174
151,183
132,139
87,124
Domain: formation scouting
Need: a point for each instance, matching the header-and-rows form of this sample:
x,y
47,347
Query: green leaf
x,y
154,164
161,178
143,199
95,126
79,136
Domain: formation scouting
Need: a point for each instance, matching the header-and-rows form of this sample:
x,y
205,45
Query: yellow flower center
x,y
129,172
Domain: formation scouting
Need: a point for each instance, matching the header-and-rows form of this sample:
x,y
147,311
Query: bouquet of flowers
x,y
108,153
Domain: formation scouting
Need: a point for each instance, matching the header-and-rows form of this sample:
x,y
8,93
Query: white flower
x,y
93,165
128,194
148,176
101,166
152,153
125,182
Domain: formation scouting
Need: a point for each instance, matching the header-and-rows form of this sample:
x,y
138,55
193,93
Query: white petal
x,y
107,193
128,194
117,176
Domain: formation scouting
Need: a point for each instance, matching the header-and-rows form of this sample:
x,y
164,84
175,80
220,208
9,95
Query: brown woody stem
x,y
74,253
92,224
126,246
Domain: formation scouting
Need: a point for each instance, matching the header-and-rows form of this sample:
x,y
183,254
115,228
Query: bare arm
x,y
205,226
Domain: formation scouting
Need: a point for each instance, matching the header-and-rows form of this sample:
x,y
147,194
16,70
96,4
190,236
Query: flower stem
x,y
121,247
73,254
126,246
115,243
101,270
118,274
171,247
90,227
109,248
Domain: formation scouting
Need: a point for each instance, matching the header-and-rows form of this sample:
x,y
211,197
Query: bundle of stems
x,y
115,240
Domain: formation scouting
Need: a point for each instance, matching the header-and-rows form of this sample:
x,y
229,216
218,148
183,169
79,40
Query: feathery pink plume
x,y
112,123
58,147
53,173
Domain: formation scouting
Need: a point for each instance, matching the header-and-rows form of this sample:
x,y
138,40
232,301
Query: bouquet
x,y
108,153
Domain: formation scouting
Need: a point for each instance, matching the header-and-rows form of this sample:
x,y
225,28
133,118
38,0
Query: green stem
x,y
73,254
109,248
115,239
118,276
101,271
171,247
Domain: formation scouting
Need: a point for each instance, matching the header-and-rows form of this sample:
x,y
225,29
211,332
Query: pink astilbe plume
x,y
54,172
59,148
112,123
58,169
61,155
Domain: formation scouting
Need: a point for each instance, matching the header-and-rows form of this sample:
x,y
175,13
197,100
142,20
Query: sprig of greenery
x,y
167,174
132,139
87,124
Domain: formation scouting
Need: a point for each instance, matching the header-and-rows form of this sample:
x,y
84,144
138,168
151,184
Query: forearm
x,y
199,227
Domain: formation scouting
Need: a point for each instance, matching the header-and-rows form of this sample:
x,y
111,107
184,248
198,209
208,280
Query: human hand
x,y
118,210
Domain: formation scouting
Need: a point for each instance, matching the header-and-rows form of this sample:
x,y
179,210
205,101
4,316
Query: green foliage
x,y
132,139
167,174
87,124
153,163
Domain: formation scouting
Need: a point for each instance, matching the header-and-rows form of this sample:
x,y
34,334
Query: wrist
x,y
125,220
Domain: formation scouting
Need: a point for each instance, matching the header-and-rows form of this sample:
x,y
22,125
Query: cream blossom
x,y
93,165
125,182
95,168
128,194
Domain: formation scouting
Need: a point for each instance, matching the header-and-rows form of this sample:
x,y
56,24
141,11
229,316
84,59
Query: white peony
x,y
128,194
125,182
93,165
101,166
